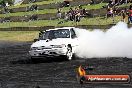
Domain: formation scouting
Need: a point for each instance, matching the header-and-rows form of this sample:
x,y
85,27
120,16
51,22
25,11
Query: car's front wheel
x,y
33,59
69,54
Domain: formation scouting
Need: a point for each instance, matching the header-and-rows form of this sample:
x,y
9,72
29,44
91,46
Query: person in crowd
x,y
77,15
66,3
84,12
71,14
74,14
32,1
130,14
110,4
66,16
35,7
92,2
80,6
129,1
123,15
110,12
115,10
59,14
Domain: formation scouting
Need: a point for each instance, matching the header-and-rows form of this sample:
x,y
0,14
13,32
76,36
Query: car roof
x,y
60,28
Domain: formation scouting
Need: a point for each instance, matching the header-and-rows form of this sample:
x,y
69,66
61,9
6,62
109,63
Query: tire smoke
x,y
115,42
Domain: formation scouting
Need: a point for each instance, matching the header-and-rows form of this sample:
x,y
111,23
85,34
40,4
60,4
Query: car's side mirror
x,y
73,36
36,40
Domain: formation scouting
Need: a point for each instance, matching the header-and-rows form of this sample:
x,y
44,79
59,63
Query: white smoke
x,y
115,42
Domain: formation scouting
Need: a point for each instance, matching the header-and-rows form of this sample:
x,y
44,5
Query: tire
x,y
34,60
69,54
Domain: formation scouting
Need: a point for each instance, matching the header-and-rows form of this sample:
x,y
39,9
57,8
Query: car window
x,y
53,34
61,33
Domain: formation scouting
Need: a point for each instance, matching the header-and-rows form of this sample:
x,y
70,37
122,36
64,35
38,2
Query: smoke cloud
x,y
115,42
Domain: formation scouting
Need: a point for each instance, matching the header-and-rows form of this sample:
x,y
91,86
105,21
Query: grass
x,y
124,5
20,36
40,23
96,6
29,24
99,21
38,3
29,13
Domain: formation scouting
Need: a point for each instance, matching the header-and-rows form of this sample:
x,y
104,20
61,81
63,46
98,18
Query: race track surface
x,y
18,71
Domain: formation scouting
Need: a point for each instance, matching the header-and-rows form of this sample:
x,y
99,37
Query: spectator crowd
x,y
74,14
124,12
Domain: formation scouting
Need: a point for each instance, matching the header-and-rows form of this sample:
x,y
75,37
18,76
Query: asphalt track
x,y
18,71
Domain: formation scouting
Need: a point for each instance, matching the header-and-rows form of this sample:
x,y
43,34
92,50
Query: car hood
x,y
46,43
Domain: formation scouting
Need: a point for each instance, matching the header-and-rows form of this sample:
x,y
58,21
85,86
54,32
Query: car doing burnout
x,y
55,42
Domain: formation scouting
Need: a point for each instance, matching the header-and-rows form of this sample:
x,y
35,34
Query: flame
x,y
81,71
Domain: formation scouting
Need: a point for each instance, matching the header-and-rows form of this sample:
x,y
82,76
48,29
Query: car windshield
x,y
53,34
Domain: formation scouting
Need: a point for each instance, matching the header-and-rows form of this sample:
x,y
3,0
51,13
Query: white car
x,y
55,42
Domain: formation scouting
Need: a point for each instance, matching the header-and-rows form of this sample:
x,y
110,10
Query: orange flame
x,y
81,71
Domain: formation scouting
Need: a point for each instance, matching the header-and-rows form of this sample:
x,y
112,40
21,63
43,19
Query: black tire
x,y
34,60
69,55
